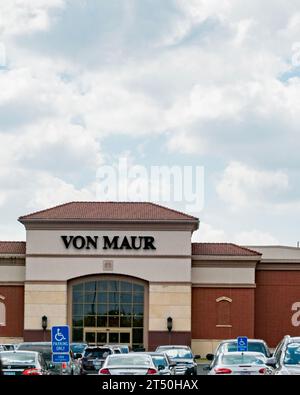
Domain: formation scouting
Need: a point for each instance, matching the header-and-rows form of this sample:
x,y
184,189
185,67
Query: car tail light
x,y
223,371
32,372
152,371
262,370
104,371
64,365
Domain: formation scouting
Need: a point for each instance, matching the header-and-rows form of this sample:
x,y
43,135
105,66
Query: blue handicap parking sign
x,y
60,339
242,343
60,358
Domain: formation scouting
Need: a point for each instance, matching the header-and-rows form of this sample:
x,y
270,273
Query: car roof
x,y
36,343
152,353
19,352
294,339
249,341
98,348
247,353
131,354
170,347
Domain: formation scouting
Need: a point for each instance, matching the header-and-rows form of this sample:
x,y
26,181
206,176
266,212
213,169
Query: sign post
x,y
60,339
242,343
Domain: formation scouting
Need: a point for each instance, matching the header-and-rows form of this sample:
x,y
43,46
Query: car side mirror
x,y
210,357
161,367
78,355
271,362
197,356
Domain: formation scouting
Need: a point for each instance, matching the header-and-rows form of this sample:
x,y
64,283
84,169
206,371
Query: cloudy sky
x,y
212,83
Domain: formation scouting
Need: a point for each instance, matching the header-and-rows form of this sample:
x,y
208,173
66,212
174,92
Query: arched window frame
x,y
2,311
220,301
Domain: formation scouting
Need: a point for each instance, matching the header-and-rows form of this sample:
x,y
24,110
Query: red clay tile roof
x,y
12,247
108,211
221,249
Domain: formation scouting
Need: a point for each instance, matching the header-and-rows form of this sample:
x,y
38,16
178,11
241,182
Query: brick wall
x,y
14,302
205,313
275,294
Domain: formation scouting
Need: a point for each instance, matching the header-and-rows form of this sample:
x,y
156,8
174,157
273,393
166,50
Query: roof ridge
x,y
152,204
246,249
46,209
174,211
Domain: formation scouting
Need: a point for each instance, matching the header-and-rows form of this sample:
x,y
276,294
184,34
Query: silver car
x,y
29,363
286,359
240,363
183,357
163,363
129,364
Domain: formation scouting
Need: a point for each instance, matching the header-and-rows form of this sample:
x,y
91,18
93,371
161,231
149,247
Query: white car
x,y
240,363
129,364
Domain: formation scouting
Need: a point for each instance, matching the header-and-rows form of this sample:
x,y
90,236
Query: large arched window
x,y
2,311
108,309
224,311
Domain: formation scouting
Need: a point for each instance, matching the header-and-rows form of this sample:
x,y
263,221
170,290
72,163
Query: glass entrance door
x,y
96,337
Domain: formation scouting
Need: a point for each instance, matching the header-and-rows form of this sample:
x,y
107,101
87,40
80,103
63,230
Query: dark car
x,y
78,349
26,363
93,358
183,357
254,345
45,348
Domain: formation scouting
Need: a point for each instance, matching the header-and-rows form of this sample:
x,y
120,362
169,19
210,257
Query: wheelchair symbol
x,y
59,337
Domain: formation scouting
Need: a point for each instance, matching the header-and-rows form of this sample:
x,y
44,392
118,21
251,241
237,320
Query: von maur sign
x,y
109,243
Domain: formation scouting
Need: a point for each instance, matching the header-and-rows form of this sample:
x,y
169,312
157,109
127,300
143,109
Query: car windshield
x,y
130,360
241,360
44,349
159,361
292,354
97,353
252,347
178,353
78,348
15,358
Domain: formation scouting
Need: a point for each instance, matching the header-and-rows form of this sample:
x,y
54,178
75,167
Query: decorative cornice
x,y
222,285
226,264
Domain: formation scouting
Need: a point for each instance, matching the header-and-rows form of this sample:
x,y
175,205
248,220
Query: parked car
x,y
123,348
286,359
183,357
240,363
8,347
78,349
93,358
130,364
45,348
28,363
163,363
254,345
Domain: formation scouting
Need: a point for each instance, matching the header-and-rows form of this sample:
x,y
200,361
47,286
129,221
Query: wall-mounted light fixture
x,y
170,323
44,322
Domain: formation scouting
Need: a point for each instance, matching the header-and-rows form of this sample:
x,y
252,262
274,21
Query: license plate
x,y
9,373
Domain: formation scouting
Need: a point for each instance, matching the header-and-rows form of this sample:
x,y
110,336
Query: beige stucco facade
x,y
45,299
170,300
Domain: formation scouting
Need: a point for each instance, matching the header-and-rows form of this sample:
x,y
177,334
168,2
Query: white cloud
x,y
26,16
242,186
207,233
255,237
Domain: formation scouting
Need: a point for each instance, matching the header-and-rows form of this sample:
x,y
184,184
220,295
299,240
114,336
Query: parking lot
x,y
241,356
